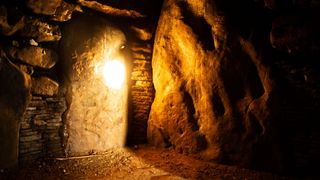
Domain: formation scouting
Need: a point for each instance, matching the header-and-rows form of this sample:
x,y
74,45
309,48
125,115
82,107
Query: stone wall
x,y
40,132
31,33
142,91
28,42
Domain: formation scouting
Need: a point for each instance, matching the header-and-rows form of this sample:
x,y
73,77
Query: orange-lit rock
x,y
65,11
44,86
35,56
40,30
44,7
214,96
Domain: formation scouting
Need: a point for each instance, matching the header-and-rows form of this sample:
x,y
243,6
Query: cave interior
x,y
235,84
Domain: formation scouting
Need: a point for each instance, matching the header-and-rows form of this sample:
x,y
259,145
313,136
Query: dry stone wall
x,y
28,43
142,91
31,33
40,132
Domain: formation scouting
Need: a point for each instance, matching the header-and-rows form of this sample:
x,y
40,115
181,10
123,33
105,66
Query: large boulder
x,y
214,96
97,116
65,11
44,86
14,94
40,30
44,7
35,56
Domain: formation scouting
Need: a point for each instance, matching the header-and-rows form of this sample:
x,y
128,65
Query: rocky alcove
x,y
225,82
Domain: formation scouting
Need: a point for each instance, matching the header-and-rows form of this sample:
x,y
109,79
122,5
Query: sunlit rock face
x,y
214,96
97,116
14,95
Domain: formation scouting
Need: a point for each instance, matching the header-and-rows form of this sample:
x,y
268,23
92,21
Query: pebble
x,y
32,42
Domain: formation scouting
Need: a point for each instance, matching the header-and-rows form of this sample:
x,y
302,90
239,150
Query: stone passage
x,y
41,127
142,91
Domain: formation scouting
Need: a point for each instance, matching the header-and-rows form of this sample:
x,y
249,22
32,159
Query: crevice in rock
x,y
255,127
202,142
233,81
255,84
218,107
166,138
199,26
191,111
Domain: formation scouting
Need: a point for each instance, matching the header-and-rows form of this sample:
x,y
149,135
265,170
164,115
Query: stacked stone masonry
x,y
40,128
32,44
29,44
142,91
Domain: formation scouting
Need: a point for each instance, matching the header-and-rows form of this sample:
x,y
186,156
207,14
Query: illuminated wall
x,y
96,86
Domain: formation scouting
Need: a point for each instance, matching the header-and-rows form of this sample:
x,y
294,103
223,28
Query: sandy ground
x,y
133,164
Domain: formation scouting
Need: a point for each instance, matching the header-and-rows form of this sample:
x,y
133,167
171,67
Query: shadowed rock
x,y
44,86
6,28
39,30
35,56
214,96
14,94
44,7
110,10
65,11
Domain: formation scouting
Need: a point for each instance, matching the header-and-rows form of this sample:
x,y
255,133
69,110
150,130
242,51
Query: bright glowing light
x,y
114,74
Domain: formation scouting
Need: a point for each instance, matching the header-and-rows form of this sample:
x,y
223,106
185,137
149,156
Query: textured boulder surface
x,y
43,7
97,116
40,30
214,95
14,94
35,56
44,86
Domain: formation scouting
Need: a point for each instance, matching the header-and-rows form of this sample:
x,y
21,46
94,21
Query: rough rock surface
x,y
141,92
40,30
44,7
110,10
97,116
14,94
214,96
65,11
142,33
35,56
6,28
44,86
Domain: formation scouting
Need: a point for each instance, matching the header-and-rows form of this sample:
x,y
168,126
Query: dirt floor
x,y
135,164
